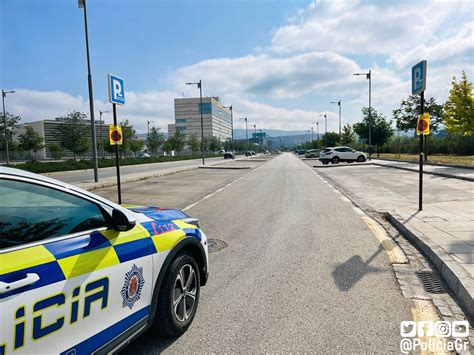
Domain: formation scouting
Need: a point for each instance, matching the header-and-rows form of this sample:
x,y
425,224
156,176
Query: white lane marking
x,y
222,188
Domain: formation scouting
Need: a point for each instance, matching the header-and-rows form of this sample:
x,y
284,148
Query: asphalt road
x,y
301,272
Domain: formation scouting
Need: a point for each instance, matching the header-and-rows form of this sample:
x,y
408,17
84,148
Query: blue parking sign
x,y
116,90
418,77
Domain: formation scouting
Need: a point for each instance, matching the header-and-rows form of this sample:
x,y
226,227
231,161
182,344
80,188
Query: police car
x,y
80,274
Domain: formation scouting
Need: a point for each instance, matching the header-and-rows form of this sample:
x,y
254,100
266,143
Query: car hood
x,y
158,214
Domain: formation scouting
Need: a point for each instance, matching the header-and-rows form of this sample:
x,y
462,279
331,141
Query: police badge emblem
x,y
132,287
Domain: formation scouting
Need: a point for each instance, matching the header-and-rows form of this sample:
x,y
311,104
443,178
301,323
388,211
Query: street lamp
x,y
338,104
255,126
325,122
199,85
82,4
102,132
312,136
148,134
317,129
368,76
4,93
246,131
231,126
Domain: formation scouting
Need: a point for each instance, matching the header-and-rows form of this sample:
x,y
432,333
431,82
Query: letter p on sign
x,y
116,90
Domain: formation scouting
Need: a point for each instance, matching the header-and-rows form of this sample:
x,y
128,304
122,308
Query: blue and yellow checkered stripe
x,y
65,259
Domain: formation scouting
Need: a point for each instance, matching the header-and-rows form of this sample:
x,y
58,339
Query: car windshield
x,y
322,153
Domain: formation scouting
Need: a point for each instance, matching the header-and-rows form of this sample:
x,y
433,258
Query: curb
x,y
340,166
459,280
224,167
426,172
429,163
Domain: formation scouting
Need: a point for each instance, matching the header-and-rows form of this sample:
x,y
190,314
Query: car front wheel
x,y
361,159
335,160
179,297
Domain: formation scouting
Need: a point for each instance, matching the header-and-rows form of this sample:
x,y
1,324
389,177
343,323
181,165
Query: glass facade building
x,y
216,118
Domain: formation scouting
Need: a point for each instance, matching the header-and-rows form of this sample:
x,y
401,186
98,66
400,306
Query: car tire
x,y
325,162
361,159
176,307
335,160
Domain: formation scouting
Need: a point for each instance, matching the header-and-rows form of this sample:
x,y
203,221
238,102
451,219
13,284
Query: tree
x,y
215,144
136,145
348,135
194,142
330,139
11,121
178,141
74,133
406,116
228,144
128,135
56,151
31,140
459,108
381,130
168,145
154,140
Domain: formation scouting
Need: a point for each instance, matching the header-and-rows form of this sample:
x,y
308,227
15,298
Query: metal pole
x,y
370,112
91,101
312,136
420,191
317,130
246,133
325,123
5,126
101,134
117,160
339,103
232,128
202,124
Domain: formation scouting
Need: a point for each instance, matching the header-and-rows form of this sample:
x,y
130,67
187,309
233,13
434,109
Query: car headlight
x,y
191,220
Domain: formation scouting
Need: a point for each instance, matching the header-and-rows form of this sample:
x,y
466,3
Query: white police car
x,y
80,274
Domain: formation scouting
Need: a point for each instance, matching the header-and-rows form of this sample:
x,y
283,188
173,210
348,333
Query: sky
x,y
278,62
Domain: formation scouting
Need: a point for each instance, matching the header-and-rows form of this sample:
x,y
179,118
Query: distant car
x,y
340,154
143,155
222,151
253,153
229,155
312,153
248,153
301,151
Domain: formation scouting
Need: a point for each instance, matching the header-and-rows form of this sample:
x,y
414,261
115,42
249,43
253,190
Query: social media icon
x,y
460,328
442,329
408,329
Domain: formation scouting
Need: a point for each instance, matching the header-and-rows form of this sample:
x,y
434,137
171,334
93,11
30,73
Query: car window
x,y
340,149
326,150
30,212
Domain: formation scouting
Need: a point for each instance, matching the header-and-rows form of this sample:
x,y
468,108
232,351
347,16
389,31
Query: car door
x,y
68,282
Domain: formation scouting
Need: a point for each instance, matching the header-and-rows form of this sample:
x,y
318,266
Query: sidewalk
x,y
438,169
444,230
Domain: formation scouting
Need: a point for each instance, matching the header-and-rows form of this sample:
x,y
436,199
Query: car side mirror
x,y
121,222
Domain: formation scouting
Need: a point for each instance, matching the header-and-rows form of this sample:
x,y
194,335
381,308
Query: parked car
x,y
312,153
339,154
229,155
301,151
248,153
222,151
80,274
143,155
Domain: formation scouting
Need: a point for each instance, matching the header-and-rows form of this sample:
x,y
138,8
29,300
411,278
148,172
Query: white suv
x,y
338,154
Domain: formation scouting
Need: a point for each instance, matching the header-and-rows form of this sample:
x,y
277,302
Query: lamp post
x,y
338,104
369,77
148,134
325,122
255,127
312,136
199,85
82,4
4,93
231,126
246,131
102,132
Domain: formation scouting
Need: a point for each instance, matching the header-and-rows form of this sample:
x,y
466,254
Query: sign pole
x,y
420,192
117,161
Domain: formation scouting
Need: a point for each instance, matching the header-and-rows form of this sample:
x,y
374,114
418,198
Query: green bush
x,y
68,165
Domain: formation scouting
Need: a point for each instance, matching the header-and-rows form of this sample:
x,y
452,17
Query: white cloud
x,y
385,28
263,75
33,105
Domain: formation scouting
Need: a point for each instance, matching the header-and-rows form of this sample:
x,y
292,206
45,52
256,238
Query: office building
x,y
216,118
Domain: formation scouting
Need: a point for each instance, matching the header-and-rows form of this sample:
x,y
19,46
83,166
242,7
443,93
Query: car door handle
x,y
28,280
